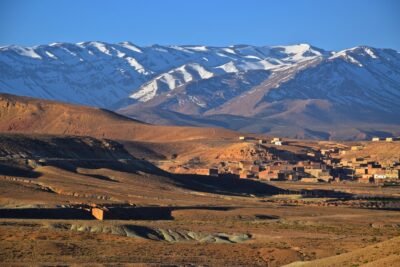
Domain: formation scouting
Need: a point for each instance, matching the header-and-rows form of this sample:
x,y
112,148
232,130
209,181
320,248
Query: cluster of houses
x,y
369,171
323,165
286,171
275,141
387,139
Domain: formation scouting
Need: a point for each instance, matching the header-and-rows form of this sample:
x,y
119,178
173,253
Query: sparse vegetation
x,y
50,184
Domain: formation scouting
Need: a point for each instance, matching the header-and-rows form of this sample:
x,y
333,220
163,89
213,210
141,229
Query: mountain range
x,y
296,91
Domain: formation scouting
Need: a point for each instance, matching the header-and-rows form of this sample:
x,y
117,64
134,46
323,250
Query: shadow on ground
x,y
37,213
200,183
10,169
111,213
225,185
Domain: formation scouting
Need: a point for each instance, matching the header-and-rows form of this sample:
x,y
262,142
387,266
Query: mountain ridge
x,y
57,65
37,116
298,87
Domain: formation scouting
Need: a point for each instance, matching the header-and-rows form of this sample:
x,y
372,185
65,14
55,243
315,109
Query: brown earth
x,y
28,115
380,151
213,222
92,170
278,235
381,254
56,157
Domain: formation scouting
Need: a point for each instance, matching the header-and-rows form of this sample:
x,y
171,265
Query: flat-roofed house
x,y
361,171
276,139
205,171
380,176
246,174
278,143
246,138
268,175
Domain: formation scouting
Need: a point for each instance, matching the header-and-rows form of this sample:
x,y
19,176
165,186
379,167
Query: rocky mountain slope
x,y
104,75
295,91
352,94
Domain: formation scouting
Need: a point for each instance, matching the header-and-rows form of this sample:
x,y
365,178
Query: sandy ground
x,y
234,230
279,235
213,221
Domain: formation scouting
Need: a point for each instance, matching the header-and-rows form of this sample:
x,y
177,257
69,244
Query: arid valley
x,y
85,186
200,133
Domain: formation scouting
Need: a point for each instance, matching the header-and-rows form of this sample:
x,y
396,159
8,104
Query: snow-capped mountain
x,y
199,96
350,94
102,74
296,90
361,77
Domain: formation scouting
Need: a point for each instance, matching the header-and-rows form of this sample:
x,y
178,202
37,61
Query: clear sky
x,y
329,24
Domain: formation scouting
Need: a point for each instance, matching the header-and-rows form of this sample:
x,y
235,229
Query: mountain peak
x,y
358,53
238,80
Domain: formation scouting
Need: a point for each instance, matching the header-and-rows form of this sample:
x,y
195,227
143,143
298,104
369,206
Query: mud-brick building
x,y
246,174
205,171
267,175
100,213
361,171
246,138
277,175
366,178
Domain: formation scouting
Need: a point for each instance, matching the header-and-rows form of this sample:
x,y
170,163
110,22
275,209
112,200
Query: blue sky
x,y
333,24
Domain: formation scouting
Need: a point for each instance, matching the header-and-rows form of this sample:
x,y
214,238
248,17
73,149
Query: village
x,y
324,165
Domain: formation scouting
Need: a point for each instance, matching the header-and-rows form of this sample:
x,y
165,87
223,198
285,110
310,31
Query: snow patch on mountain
x,y
360,76
26,52
228,67
170,80
131,47
102,74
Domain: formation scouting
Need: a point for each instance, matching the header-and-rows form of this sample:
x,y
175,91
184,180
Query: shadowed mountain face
x,y
349,95
295,91
85,167
61,147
